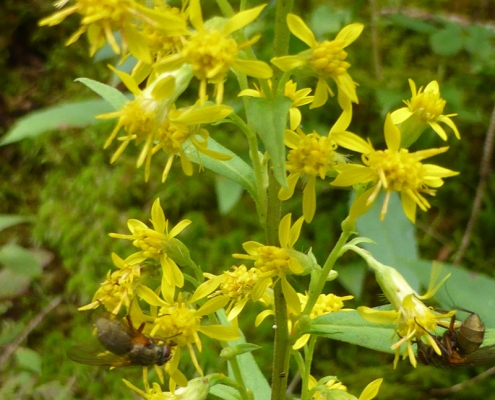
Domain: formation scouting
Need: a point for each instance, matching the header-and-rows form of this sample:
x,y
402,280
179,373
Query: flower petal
x,y
299,29
212,305
254,68
392,134
378,316
293,303
400,115
241,19
287,63
350,33
220,332
284,231
352,141
158,216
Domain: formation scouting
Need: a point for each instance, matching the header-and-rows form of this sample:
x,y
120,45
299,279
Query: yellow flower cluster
x,y
173,46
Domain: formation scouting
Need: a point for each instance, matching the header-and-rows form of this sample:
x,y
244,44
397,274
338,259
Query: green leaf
x,y
395,237
352,278
19,260
28,359
247,348
469,290
8,220
479,41
269,119
447,41
60,117
228,194
234,169
225,392
412,23
489,337
17,284
251,373
113,96
348,326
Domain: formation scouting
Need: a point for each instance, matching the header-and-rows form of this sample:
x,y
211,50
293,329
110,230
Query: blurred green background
x,y
60,197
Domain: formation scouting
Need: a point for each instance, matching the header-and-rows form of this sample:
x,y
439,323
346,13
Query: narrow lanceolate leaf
x,y
269,119
113,96
61,117
348,326
235,169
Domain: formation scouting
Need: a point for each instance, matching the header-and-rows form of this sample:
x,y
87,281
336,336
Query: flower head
x,y
236,286
333,384
118,288
311,156
140,118
426,106
159,244
393,169
325,60
181,320
277,262
414,320
212,52
326,304
101,18
182,127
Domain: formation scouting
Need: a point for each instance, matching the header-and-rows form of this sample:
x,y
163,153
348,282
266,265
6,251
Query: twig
x,y
374,41
427,15
478,199
30,326
462,385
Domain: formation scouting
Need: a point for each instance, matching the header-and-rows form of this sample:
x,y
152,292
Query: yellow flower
x,y
196,389
236,286
159,244
326,304
311,156
325,60
273,261
212,52
184,126
140,118
426,106
331,384
393,169
413,318
101,18
181,320
369,392
118,288
299,98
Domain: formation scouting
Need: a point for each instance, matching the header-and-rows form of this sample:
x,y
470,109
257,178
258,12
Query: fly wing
x,y
96,354
484,355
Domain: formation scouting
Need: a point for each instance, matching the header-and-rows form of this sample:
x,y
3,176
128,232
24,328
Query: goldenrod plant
x,y
176,51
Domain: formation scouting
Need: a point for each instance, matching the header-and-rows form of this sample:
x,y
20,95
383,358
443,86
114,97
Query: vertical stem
x,y
281,350
282,35
308,360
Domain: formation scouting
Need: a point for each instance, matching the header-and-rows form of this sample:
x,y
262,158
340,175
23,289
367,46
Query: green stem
x,y
260,199
240,386
282,35
329,263
282,347
308,356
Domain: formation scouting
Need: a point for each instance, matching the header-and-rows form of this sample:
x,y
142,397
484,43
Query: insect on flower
x,y
120,344
460,345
